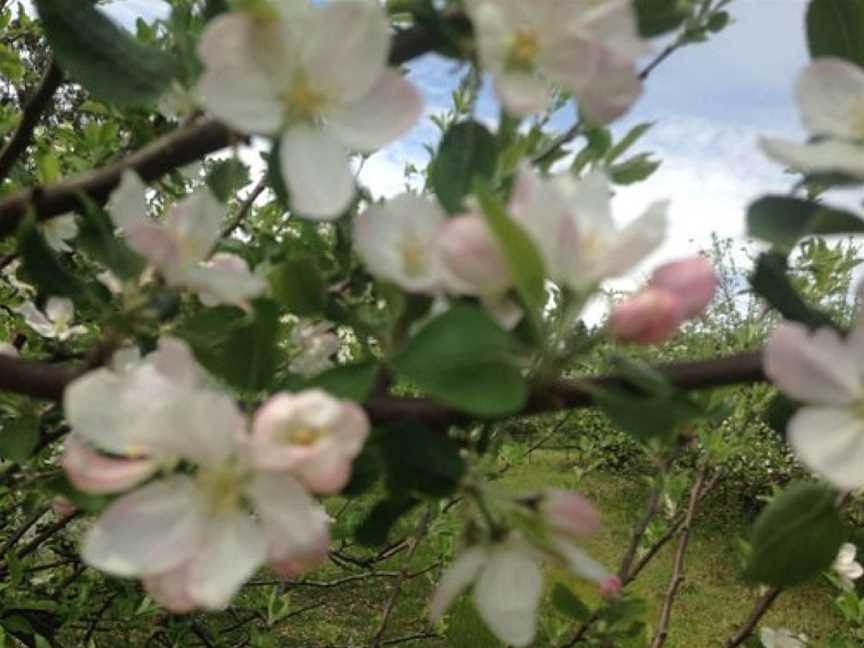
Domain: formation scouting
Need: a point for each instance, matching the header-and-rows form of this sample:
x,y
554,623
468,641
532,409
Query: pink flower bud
x,y
62,507
611,587
473,257
651,316
568,512
692,281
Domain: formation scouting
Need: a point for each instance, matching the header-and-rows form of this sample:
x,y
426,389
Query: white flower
x,y
189,536
59,230
781,638
179,246
830,96
398,242
570,221
508,585
586,49
55,322
318,78
824,371
846,567
316,344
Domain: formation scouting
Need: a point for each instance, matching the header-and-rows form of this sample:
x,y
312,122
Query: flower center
x,y
523,51
856,119
413,259
303,436
303,101
222,488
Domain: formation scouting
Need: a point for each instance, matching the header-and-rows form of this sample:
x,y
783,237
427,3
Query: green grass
x,y
711,602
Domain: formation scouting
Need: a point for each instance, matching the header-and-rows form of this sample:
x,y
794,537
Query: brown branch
x,y
174,150
763,604
30,115
245,208
662,632
19,533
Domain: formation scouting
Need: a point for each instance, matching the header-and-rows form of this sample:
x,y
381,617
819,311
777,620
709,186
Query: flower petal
x,y
148,531
614,89
389,110
508,593
196,224
830,441
128,202
827,156
92,472
225,279
93,405
459,575
633,243
315,169
59,309
830,94
36,320
812,367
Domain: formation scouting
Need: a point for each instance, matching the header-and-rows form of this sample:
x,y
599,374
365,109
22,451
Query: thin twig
x,y
245,208
763,604
662,631
95,622
24,528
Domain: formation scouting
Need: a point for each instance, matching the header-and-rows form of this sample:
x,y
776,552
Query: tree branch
x,y
763,604
30,116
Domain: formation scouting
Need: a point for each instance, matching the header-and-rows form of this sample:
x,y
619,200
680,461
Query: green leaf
x,y
227,177
43,267
627,141
634,170
770,280
659,16
101,56
374,529
648,417
796,537
718,21
421,460
276,178
467,151
353,382
526,264
783,220
465,359
19,438
780,410
250,351
836,28
299,286
97,239
567,603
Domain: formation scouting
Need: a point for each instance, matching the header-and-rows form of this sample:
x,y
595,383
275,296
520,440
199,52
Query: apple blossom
x,y
179,246
830,95
571,224
398,242
846,567
59,230
585,50
823,371
781,638
55,322
473,257
568,512
317,344
318,78
693,281
312,435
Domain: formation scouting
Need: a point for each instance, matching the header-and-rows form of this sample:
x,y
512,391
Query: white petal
x,y
812,367
579,562
59,309
846,554
234,547
613,23
36,320
633,243
827,156
508,593
315,169
128,202
571,62
93,408
830,441
459,575
389,110
92,472
235,85
612,92
149,531
831,98
397,242
225,279
345,47
196,224
173,359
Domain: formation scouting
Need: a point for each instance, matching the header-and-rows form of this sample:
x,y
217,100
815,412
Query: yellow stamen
x,y
303,102
523,51
222,488
413,259
303,436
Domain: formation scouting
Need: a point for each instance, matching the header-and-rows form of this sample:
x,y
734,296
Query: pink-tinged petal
x,y
693,281
507,594
830,95
614,89
504,310
92,472
348,65
611,588
826,156
235,85
295,525
303,561
234,547
173,359
170,589
315,169
471,254
391,108
613,23
459,575
154,243
569,512
62,506
148,531
571,63
128,202
830,442
195,224
812,367
651,316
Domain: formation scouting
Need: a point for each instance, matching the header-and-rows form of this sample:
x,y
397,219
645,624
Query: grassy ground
x,y
710,603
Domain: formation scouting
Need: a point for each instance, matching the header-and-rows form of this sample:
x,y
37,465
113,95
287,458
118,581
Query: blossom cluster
x,y
212,499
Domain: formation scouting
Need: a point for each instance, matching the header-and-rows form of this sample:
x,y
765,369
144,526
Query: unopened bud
x,y
611,587
569,512
692,281
650,316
